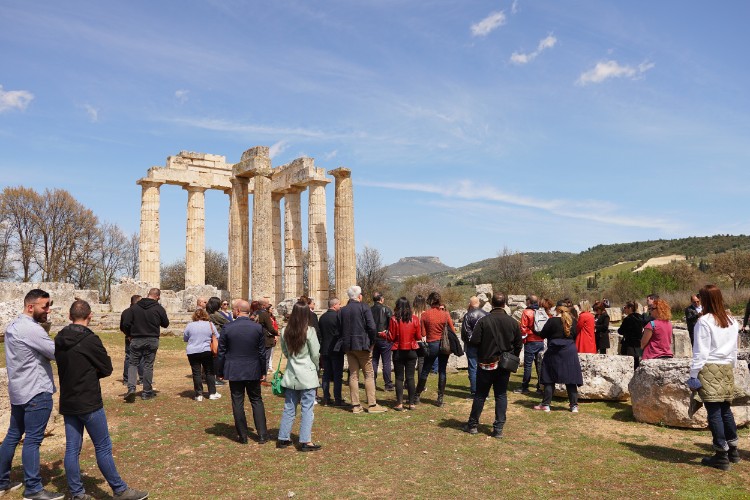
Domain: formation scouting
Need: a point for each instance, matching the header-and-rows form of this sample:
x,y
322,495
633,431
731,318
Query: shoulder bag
x,y
276,388
445,341
509,361
214,340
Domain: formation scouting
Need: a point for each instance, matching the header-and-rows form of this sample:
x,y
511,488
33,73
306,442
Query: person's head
x,y
377,298
473,302
241,307
650,300
154,293
200,315
532,300
80,312
498,299
546,304
134,299
334,304
660,310
629,308
599,307
200,302
402,311
434,299
224,305
264,302
212,305
354,293
713,303
254,306
419,305
585,306
36,305
695,300
295,333
563,312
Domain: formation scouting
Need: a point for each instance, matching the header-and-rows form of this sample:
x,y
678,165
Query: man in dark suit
x,y
242,361
331,354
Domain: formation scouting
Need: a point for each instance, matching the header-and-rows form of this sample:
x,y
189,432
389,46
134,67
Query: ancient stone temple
x,y
275,270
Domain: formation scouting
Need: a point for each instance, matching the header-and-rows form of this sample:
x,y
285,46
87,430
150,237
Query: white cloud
x,y
544,44
92,112
514,7
592,210
277,148
604,70
488,24
331,155
14,99
182,95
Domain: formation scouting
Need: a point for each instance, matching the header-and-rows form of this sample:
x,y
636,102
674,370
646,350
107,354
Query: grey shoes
x,y
131,494
44,495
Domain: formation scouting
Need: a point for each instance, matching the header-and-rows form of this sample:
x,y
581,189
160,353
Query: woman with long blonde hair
x,y
560,364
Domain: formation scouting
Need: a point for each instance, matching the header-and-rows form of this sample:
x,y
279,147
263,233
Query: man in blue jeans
x,y
81,361
467,328
28,352
533,345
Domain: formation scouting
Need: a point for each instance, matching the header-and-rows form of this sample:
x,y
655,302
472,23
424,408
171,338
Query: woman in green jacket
x,y
299,343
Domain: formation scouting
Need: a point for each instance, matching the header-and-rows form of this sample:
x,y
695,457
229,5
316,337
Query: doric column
x,y
293,283
239,249
195,252
261,273
343,227
148,248
317,244
278,269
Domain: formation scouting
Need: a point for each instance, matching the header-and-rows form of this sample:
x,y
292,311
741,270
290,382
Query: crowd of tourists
x,y
407,343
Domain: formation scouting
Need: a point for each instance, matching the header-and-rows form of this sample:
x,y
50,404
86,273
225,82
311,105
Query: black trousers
x,y
238,388
404,363
204,360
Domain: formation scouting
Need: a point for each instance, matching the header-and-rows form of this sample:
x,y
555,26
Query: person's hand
x,y
220,378
263,378
424,339
694,383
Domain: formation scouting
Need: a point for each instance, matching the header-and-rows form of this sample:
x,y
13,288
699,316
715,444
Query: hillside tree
x,y
371,272
19,205
512,274
733,265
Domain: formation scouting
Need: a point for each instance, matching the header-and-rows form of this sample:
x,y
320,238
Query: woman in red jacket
x,y
586,339
404,332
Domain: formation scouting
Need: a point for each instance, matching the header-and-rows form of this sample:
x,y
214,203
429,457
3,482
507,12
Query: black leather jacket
x,y
469,321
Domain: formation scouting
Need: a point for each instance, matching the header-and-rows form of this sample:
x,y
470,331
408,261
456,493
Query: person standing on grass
x,y
656,341
331,354
28,353
692,313
144,328
404,332
712,374
299,343
126,318
601,327
242,361
381,313
474,314
631,330
533,344
198,334
357,337
432,323
493,335
270,328
81,361
586,330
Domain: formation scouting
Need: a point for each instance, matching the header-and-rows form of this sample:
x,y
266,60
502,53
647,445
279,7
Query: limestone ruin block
x,y
681,347
614,343
485,288
483,298
605,377
660,395
615,314
458,316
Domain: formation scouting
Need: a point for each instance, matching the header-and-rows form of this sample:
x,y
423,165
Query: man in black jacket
x,y
126,318
331,354
381,350
493,335
692,313
81,361
357,337
144,328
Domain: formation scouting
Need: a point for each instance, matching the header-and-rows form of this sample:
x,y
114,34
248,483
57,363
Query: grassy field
x,y
178,448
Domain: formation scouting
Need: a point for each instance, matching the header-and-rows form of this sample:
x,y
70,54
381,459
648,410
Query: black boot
x,y
441,390
719,461
734,455
420,388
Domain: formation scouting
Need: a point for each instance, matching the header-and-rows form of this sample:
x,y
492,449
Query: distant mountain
x,y
415,266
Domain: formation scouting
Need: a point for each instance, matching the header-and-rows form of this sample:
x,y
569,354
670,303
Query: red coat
x,y
404,335
586,340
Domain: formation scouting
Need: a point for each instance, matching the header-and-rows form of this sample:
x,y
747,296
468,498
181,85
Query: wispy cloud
x,y
14,99
591,210
331,155
487,25
604,70
92,112
514,7
182,95
544,44
277,148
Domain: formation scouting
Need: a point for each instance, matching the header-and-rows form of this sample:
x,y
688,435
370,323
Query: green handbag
x,y
278,375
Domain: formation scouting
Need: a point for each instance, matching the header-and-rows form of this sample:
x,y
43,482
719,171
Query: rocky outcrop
x,y
605,377
660,395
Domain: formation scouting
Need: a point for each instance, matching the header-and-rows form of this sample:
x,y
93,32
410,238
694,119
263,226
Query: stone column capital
x,y
147,183
318,182
294,189
340,173
239,181
191,188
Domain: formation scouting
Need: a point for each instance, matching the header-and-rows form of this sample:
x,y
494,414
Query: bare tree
x,y
83,266
305,271
19,204
6,267
371,272
331,275
734,265
511,271
112,257
132,257
173,275
217,269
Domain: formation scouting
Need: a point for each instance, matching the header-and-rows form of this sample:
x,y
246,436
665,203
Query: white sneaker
x,y
198,398
215,395
574,409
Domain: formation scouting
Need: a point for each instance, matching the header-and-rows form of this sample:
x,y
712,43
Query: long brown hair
x,y
713,303
567,319
295,333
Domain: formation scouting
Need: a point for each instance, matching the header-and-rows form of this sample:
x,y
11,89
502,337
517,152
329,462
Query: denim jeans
x,y
95,424
29,419
204,360
333,371
532,353
382,350
498,380
306,399
472,352
433,354
238,388
126,364
142,348
722,425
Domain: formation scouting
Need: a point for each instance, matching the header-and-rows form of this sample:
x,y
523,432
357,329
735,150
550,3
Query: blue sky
x,y
468,125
